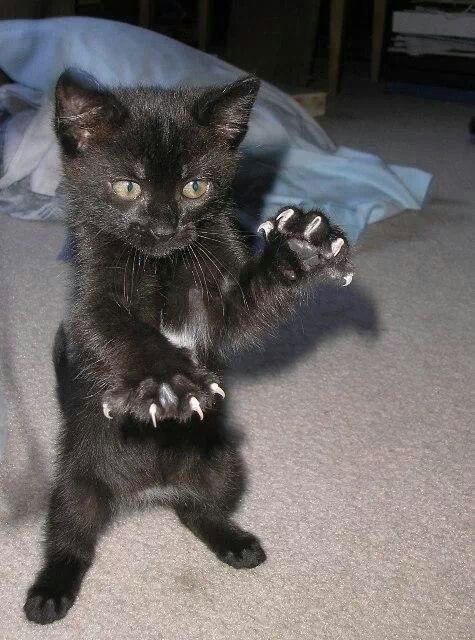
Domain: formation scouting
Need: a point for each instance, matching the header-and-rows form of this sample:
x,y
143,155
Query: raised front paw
x,y
153,399
321,248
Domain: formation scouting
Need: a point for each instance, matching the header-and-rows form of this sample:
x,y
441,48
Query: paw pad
x,y
321,248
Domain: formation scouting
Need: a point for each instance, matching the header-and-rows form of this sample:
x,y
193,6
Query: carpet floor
x,y
356,420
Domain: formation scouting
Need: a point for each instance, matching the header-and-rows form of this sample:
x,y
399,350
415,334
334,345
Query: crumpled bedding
x,y
288,158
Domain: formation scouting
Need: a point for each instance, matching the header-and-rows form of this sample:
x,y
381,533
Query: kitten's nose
x,y
159,231
165,223
162,230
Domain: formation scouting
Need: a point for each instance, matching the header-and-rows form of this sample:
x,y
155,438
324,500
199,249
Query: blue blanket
x,y
288,158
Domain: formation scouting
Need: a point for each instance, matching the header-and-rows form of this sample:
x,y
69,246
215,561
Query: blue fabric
x,y
288,157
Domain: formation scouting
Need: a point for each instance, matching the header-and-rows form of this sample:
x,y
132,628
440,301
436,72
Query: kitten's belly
x,y
164,494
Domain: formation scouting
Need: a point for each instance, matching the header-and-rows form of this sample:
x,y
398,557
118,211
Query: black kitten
x,y
162,286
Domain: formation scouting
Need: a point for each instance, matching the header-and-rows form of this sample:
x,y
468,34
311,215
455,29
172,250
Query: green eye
x,y
195,188
126,189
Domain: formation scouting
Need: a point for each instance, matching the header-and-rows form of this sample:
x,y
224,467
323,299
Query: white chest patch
x,y
194,331
185,338
163,494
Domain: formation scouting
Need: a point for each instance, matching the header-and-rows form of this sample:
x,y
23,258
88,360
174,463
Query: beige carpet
x,y
357,427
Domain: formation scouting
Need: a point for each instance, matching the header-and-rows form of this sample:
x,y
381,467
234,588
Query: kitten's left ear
x,y
228,108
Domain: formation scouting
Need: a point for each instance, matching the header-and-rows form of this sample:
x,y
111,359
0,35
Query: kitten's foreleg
x,y
138,371
301,248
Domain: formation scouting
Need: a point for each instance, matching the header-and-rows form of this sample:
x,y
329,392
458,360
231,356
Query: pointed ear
x,y
85,111
227,109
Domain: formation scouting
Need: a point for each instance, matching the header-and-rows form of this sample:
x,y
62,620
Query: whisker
x,y
126,290
234,232
200,249
201,269
191,265
234,278
223,242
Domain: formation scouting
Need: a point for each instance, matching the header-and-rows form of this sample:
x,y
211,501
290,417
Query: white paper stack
x,y
425,31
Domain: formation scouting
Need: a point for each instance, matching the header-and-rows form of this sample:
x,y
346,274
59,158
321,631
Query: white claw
x,y
195,406
153,413
266,227
348,279
283,217
316,222
336,246
215,388
106,410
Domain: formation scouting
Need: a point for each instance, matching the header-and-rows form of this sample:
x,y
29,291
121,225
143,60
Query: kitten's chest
x,y
185,301
185,319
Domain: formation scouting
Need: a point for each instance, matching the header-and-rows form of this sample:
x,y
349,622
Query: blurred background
x,y
310,45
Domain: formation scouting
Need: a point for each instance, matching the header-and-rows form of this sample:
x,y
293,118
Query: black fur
x,y
146,273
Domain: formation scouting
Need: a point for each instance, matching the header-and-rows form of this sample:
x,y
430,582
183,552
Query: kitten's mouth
x,y
158,245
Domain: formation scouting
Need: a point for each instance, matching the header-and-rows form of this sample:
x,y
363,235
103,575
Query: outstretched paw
x,y
321,248
152,400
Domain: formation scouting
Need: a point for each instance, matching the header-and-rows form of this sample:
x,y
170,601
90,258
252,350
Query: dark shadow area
x,y
330,312
24,480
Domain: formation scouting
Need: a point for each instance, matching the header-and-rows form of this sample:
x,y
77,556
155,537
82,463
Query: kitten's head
x,y
150,165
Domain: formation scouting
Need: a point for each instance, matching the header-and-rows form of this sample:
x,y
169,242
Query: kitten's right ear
x,y
85,111
227,109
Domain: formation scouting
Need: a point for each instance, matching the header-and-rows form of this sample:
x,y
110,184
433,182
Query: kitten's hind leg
x,y
78,513
230,543
209,478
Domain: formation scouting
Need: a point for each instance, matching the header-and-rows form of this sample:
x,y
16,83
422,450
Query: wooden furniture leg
x,y
337,17
379,22
145,13
203,23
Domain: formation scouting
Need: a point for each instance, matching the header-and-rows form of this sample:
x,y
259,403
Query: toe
x,y
45,610
248,556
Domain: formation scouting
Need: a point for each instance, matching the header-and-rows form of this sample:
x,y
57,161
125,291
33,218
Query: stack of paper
x,y
434,32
